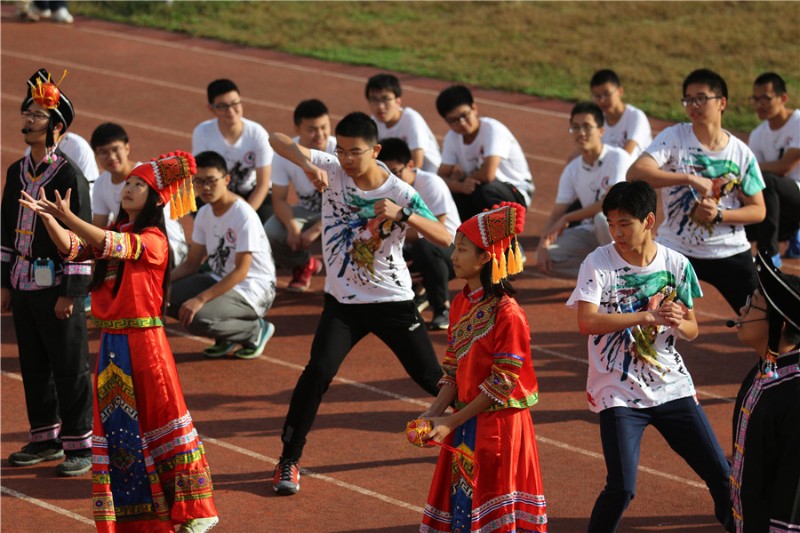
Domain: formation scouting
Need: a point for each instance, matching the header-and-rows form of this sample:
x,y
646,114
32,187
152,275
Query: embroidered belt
x,y
126,323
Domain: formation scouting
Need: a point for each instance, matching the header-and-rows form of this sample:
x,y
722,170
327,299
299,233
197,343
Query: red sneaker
x,y
301,276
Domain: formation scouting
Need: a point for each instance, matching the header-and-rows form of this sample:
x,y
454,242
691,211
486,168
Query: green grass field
x,y
547,49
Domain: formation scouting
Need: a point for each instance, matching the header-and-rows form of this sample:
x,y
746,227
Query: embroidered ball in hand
x,y
416,429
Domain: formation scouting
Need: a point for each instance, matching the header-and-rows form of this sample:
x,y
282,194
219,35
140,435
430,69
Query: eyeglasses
x,y
385,100
398,170
30,115
748,304
763,100
585,128
351,154
698,101
458,119
225,107
208,182
599,97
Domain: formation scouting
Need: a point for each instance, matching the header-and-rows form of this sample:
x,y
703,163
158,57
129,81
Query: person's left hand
x,y
387,209
442,427
63,308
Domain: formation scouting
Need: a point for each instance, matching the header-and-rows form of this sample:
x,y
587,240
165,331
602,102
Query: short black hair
x,y
107,133
778,85
312,108
211,159
218,87
381,82
708,77
637,198
394,149
604,76
589,108
452,97
358,125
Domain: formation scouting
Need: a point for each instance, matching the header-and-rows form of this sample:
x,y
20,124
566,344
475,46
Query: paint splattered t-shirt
x,y
733,170
637,367
364,255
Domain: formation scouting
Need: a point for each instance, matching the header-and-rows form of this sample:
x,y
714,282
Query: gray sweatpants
x,y
276,233
227,318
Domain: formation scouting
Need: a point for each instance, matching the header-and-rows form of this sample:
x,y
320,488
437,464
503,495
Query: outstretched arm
x,y
50,211
300,156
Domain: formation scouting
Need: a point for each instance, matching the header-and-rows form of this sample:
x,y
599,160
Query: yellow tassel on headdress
x,y
186,203
513,267
518,257
496,276
502,263
174,207
192,202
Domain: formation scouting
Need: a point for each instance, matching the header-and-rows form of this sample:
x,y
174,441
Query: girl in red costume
x,y
149,469
487,478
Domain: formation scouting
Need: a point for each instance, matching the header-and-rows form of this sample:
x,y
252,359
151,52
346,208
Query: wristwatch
x,y
718,218
405,214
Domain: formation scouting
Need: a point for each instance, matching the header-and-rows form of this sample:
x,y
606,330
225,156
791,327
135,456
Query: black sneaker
x,y
36,452
286,479
75,465
441,320
421,301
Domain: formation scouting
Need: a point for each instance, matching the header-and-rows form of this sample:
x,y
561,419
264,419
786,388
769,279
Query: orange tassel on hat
x,y
492,231
171,175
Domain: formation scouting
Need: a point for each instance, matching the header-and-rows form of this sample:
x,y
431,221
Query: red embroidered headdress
x,y
493,231
171,175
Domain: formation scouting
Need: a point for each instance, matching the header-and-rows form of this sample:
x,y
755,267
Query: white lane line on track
x,y
310,473
45,505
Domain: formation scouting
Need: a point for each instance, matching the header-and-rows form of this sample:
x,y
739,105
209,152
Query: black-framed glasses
x,y
199,183
599,97
463,117
225,107
699,100
355,153
763,100
748,305
383,100
397,171
585,128
34,116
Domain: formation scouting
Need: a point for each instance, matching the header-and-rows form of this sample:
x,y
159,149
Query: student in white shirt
x,y
366,212
627,126
482,162
776,145
711,189
384,95
430,260
293,228
229,302
585,180
242,142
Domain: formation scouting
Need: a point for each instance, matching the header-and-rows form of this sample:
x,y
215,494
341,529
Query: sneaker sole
x,y
298,289
36,461
286,491
214,355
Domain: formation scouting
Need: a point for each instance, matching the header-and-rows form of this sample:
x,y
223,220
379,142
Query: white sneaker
x,y
198,525
62,15
39,13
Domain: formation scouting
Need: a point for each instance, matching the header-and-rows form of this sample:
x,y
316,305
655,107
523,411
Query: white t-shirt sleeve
x,y
198,230
663,146
450,149
264,151
198,140
755,143
566,184
249,237
590,283
641,132
281,170
99,195
498,140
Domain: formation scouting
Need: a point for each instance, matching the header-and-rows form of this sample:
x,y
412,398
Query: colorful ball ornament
x,y
47,94
416,429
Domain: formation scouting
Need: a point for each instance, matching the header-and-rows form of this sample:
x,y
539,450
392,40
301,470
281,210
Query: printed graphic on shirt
x,y
225,249
241,171
354,233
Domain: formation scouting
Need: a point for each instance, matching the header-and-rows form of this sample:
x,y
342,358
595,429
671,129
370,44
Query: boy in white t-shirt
x,y
430,260
627,126
112,149
482,162
585,180
384,95
711,189
229,302
366,212
293,228
634,298
776,145
242,142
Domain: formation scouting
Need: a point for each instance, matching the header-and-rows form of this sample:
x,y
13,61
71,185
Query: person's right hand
x,y
542,260
703,186
5,300
317,176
